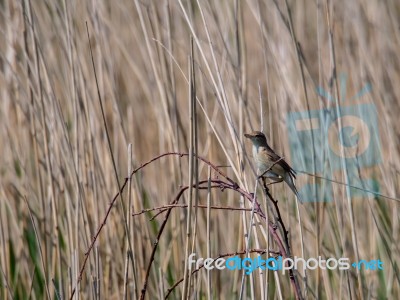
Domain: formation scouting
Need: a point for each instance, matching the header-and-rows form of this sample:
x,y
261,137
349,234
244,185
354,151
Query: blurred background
x,y
319,78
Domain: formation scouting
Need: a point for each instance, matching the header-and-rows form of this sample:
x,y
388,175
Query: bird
x,y
271,165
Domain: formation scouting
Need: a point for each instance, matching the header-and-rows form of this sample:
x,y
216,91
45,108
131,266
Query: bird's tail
x,y
289,180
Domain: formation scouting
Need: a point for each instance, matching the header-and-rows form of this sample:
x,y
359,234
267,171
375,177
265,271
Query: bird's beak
x,y
249,136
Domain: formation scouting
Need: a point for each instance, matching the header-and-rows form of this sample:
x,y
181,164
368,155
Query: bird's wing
x,y
275,157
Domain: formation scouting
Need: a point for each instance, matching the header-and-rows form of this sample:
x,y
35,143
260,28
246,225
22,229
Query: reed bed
x,y
93,90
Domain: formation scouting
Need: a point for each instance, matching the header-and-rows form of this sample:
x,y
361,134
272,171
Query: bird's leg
x,y
270,175
264,181
275,180
264,173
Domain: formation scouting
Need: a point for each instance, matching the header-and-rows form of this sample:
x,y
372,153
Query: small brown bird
x,y
269,164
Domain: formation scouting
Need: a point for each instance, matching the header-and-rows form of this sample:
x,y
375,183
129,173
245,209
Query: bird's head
x,y
257,137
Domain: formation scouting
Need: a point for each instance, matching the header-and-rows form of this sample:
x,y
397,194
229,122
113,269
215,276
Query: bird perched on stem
x,y
269,164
